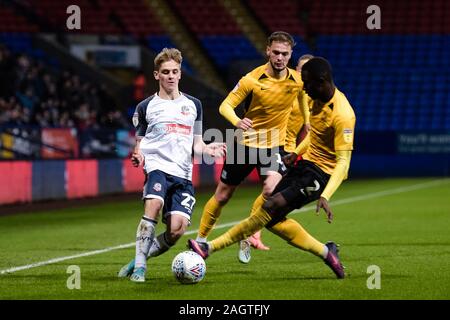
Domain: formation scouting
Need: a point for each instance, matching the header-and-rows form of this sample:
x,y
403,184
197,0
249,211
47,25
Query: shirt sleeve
x,y
198,125
339,174
344,133
139,121
303,103
235,98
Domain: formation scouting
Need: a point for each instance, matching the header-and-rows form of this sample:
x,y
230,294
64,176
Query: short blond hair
x,y
281,36
167,54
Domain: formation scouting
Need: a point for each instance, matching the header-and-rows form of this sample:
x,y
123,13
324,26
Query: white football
x,y
188,267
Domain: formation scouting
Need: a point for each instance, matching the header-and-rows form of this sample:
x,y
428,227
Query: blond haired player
x,y
268,92
168,129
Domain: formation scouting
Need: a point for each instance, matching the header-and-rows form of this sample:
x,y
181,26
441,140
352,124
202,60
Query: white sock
x,y
325,252
144,238
159,245
200,239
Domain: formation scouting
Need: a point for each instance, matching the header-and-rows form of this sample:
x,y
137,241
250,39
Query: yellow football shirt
x,y
332,129
268,103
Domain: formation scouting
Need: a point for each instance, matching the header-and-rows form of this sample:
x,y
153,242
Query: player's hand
x,y
323,203
290,158
136,159
244,124
216,149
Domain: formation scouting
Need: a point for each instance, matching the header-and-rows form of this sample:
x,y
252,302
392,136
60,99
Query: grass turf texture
x,y
405,234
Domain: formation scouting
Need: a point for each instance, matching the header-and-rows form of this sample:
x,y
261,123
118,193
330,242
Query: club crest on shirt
x,y
157,187
185,110
135,119
348,135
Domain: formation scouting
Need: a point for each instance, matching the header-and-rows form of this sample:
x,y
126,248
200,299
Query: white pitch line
x,y
333,203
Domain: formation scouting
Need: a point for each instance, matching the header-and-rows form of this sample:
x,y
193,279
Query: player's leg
x,y
246,227
239,232
292,231
270,181
233,173
271,168
155,189
176,227
307,184
254,240
180,202
213,209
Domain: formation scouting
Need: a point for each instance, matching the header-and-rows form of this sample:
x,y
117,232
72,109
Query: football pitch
x,y
397,226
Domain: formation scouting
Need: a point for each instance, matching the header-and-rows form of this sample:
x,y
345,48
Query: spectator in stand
x,y
31,93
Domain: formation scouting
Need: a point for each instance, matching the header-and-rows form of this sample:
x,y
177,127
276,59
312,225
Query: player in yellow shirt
x,y
268,92
295,130
315,177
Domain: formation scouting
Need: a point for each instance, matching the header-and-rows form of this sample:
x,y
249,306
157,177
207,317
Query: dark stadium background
x,y
66,100
67,96
69,116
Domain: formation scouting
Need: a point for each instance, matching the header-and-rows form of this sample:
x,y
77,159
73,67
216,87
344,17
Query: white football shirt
x,y
167,128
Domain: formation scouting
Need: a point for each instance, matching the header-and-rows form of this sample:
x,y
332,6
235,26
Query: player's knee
x,y
271,205
267,192
176,234
223,195
153,205
269,184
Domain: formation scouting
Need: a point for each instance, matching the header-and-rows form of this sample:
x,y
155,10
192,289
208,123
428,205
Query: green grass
x,y
405,234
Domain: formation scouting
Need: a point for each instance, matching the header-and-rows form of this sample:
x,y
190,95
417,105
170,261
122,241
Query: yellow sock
x,y
211,213
242,230
259,201
291,231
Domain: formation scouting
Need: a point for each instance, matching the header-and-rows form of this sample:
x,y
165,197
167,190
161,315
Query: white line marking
x,y
333,203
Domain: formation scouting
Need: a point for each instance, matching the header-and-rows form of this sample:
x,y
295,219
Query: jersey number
x,y
280,161
187,201
310,190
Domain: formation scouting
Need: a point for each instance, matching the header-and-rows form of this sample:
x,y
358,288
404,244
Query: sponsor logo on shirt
x,y
185,111
178,128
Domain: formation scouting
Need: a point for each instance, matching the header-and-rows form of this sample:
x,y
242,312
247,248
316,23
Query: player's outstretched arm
x,y
338,175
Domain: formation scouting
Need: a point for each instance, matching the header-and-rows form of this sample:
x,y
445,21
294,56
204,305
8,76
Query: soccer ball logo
x,y
188,267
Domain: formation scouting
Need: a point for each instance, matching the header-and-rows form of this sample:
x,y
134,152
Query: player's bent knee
x,y
154,205
269,205
224,193
174,235
267,192
272,205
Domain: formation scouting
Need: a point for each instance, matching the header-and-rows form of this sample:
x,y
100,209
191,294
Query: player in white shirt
x,y
168,128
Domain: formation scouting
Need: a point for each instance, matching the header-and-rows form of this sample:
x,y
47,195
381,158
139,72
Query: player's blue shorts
x,y
177,194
